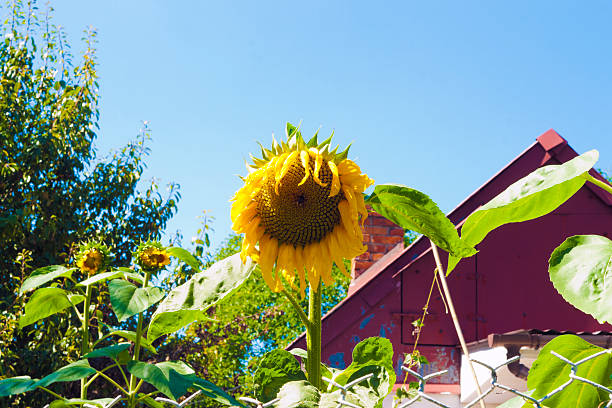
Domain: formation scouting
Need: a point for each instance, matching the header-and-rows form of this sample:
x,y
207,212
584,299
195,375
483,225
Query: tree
x,y
54,191
226,349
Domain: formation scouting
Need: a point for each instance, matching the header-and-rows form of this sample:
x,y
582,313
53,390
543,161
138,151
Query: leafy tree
x,y
54,191
226,349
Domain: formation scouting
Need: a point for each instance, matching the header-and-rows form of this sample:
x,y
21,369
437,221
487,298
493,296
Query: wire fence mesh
x,y
420,391
494,384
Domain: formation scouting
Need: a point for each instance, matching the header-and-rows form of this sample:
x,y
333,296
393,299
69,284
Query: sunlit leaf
x,y
44,275
109,351
184,256
533,196
127,299
277,368
549,372
71,372
414,210
45,302
581,270
16,385
298,394
188,302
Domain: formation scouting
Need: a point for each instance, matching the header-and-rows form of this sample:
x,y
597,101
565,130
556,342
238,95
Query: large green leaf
x,y
69,403
212,391
298,394
172,378
45,302
71,372
127,299
43,275
109,351
119,273
533,196
277,368
185,256
188,302
549,372
328,372
414,210
373,355
16,385
581,270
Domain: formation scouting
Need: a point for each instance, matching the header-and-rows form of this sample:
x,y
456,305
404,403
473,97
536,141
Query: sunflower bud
x,y
92,257
152,256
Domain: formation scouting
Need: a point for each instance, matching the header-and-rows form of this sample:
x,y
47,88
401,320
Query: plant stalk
x,y
132,386
451,307
85,346
598,183
313,336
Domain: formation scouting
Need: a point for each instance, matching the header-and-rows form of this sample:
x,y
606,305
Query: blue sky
x,y
435,95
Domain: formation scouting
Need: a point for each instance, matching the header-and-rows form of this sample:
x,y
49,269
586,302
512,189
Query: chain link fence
x,y
494,384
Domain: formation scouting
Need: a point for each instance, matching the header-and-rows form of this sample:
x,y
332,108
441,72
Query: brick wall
x,y
380,236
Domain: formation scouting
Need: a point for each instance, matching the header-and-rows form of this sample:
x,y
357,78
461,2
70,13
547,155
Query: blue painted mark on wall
x,y
382,306
336,360
355,339
363,310
366,321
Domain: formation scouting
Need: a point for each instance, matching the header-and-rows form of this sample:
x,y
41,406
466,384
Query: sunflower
x,y
92,257
152,256
300,209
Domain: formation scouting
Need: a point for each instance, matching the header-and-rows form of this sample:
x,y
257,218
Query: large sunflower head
x,y
300,209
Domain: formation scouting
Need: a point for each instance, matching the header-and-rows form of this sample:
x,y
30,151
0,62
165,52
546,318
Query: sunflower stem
x,y
598,183
133,388
313,336
85,346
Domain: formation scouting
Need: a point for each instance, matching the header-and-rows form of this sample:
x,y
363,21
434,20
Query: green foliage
x,y
227,348
54,190
549,372
533,196
188,303
415,211
172,378
580,269
275,369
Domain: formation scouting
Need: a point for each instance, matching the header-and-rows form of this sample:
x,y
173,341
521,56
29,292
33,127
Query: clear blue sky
x,y
435,95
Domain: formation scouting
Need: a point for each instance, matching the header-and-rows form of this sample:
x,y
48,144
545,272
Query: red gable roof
x,y
504,287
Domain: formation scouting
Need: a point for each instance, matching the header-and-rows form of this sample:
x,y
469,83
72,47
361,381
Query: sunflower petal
x,y
335,186
284,169
268,253
314,152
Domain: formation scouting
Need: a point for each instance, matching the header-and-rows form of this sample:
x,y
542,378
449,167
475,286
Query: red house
x,y
503,295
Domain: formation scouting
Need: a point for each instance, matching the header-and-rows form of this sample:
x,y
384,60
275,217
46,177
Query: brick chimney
x,y
380,236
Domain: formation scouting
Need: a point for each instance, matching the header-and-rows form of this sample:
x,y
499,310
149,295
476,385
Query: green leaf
x,y
150,402
581,271
533,196
549,372
328,372
212,391
44,303
120,273
516,402
188,302
16,385
277,368
373,355
298,394
127,299
100,402
184,256
41,276
414,210
129,335
71,372
172,378
109,351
